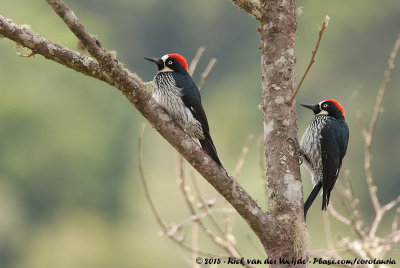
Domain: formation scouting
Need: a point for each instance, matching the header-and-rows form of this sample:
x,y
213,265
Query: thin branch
x,y
391,204
395,222
354,202
312,60
381,92
240,162
261,165
189,221
205,207
206,72
368,138
196,60
380,214
338,216
353,224
230,221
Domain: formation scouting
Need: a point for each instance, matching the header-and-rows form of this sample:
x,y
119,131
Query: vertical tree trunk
x,y
278,31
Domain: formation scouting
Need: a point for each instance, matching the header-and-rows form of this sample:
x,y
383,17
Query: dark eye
x,y
169,62
324,105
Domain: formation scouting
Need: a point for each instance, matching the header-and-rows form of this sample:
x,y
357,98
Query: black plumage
x,y
178,94
323,147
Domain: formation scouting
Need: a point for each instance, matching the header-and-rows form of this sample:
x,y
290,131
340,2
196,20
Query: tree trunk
x,y
278,31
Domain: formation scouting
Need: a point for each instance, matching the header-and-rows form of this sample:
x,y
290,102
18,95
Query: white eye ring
x,y
169,62
325,105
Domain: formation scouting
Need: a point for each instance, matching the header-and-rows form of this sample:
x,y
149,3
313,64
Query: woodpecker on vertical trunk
x,y
323,147
177,93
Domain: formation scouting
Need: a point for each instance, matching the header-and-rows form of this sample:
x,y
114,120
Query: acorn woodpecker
x,y
177,93
323,147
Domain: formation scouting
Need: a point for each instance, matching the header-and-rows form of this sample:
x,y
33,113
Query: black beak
x,y
313,107
159,62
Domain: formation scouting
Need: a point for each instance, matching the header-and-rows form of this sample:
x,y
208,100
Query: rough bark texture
x,y
278,31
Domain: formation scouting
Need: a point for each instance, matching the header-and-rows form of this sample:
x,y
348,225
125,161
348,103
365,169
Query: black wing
x,y
333,147
192,99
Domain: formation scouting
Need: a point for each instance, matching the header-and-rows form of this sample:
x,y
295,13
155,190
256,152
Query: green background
x,y
70,191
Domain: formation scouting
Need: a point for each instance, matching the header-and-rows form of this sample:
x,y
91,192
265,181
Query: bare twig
x,y
230,220
368,137
189,221
381,92
354,202
312,60
206,72
260,146
205,206
391,204
354,224
338,216
240,162
395,222
196,60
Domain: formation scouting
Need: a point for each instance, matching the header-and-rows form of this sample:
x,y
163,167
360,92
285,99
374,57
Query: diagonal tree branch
x,y
109,70
312,60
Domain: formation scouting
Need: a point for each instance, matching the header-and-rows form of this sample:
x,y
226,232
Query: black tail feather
x,y
312,197
208,146
325,199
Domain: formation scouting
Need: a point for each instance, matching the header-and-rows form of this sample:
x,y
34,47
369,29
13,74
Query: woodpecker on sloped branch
x,y
323,147
177,93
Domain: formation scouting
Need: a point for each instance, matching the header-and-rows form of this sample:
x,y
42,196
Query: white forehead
x,y
165,57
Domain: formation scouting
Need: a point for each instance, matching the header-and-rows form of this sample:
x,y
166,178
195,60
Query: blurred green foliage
x,y
70,194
